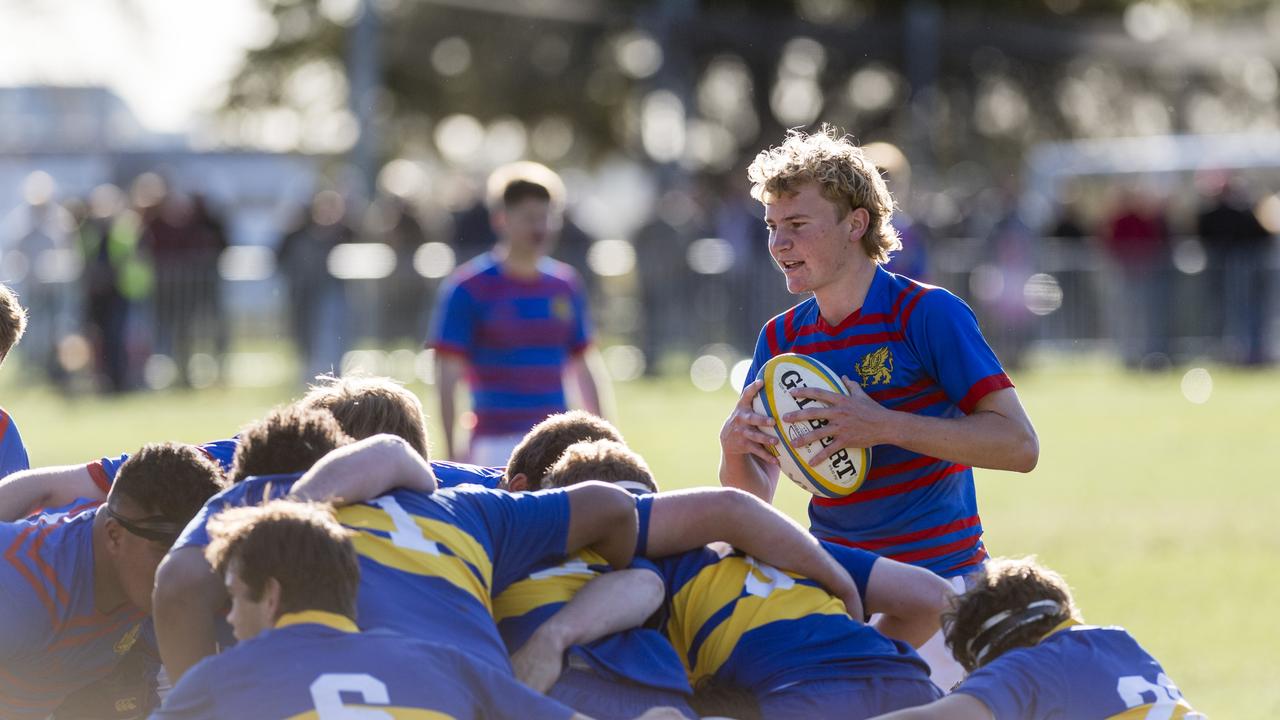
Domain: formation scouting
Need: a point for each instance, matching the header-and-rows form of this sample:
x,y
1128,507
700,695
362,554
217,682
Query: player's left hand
x,y
853,420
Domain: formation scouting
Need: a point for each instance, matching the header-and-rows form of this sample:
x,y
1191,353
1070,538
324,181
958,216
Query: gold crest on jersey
x,y
127,640
562,308
876,367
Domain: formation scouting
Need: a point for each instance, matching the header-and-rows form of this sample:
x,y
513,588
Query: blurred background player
x,y
937,405
292,573
13,322
77,587
513,323
1019,634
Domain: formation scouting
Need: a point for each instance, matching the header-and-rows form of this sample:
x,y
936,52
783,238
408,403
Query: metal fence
x,y
695,308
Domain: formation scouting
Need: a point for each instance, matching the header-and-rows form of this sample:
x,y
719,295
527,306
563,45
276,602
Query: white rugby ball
x,y
842,473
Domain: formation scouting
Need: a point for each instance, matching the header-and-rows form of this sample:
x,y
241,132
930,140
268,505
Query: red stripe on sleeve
x,y
99,475
983,388
449,349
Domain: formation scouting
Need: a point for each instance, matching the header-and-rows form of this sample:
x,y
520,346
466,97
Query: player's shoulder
x,y
473,270
559,272
914,301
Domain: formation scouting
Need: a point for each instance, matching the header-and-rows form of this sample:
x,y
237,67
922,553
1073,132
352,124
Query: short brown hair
x,y
1008,586
846,176
367,406
301,545
543,445
168,482
603,460
13,320
289,439
524,180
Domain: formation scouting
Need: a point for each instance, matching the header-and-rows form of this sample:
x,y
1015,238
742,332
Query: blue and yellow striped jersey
x,y
430,564
750,624
315,665
639,655
1078,671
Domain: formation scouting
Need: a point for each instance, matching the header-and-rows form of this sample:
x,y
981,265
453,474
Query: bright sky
x,y
169,59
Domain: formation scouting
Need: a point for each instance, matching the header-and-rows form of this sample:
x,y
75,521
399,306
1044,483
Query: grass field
x,y
1162,513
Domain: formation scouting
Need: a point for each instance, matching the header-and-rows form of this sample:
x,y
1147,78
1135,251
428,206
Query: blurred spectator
x,y
39,263
116,277
391,221
1136,239
738,221
212,231
317,299
184,245
913,259
665,281
1238,247
1011,246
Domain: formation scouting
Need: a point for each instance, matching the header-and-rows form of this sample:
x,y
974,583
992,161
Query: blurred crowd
x,y
126,287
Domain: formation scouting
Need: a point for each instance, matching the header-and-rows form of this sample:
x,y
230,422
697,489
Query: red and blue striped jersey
x,y
13,454
316,665
914,348
53,640
1078,671
430,565
104,470
517,336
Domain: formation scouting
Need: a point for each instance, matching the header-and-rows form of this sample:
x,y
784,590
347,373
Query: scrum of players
x,y
319,564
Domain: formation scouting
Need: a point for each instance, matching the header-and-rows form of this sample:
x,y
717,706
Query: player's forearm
x,y
450,375
185,603
24,492
590,381
983,439
744,472
364,470
609,604
910,600
603,517
765,533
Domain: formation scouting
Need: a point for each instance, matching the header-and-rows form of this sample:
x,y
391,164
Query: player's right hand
x,y
746,432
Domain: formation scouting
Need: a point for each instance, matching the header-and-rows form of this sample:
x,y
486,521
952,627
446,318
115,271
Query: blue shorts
x,y
847,699
605,699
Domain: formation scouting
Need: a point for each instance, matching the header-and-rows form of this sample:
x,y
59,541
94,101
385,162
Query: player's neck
x,y
844,296
107,593
516,263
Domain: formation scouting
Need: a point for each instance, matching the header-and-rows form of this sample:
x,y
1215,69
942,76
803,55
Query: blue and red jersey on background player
x,y
1077,671
316,665
104,470
13,454
517,335
53,639
914,348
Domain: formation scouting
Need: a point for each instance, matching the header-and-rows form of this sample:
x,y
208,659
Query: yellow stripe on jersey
x,y
554,585
420,558
771,596
1180,711
397,713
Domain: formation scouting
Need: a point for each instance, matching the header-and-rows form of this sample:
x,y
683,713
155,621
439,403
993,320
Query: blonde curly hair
x,y
846,176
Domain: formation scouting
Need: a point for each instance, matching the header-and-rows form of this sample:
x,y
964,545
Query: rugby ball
x,y
842,473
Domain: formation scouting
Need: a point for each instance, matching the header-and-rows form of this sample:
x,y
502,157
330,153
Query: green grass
x,y
1161,513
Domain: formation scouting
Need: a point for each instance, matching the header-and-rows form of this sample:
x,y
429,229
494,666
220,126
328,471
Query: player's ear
x,y
859,220
497,219
115,535
271,596
518,483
